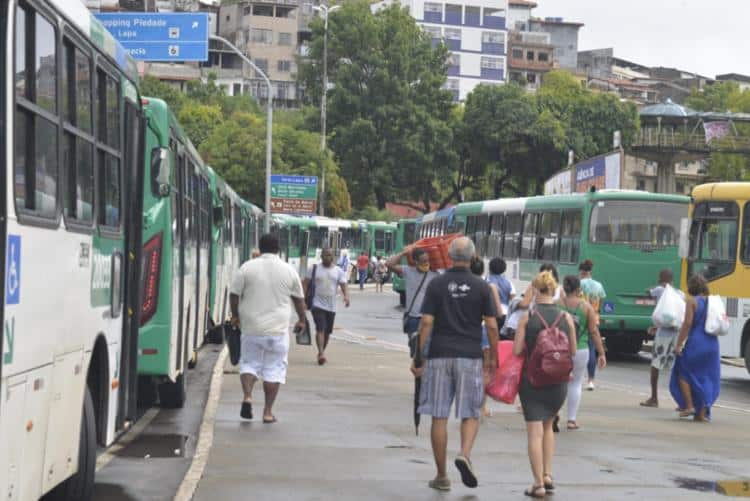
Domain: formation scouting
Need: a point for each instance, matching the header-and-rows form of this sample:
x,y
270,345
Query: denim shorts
x,y
446,379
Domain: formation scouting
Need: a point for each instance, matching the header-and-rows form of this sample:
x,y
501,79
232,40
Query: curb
x,y
189,483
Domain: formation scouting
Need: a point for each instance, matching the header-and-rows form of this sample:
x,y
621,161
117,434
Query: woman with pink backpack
x,y
546,336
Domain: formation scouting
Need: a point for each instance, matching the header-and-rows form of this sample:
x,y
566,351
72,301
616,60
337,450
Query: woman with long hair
x,y
587,331
593,292
541,405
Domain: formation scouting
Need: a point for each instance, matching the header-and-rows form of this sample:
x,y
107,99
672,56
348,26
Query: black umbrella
x,y
417,387
416,355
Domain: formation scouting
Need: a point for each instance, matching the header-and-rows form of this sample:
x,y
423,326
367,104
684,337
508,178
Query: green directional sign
x,y
294,194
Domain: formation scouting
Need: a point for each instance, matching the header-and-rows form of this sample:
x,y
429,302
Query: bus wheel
x,y
81,485
747,355
193,360
173,395
146,391
629,345
402,298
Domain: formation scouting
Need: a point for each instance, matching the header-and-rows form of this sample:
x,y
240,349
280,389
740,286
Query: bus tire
x,y
747,355
81,485
173,395
402,298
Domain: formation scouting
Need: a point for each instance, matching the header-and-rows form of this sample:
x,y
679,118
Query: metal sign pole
x,y
269,126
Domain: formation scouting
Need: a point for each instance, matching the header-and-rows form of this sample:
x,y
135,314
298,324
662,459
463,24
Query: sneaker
x,y
467,472
591,386
440,484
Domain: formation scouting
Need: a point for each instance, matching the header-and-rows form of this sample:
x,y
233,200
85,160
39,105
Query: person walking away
x,y
325,278
593,292
344,263
417,278
586,326
662,351
260,298
363,265
504,287
380,272
541,405
696,376
477,268
454,306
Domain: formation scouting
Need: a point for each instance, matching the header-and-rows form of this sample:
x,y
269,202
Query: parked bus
x,y
71,245
629,235
718,247
406,234
179,250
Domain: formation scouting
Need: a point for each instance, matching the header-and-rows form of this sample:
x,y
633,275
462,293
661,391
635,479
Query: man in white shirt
x,y
261,295
320,285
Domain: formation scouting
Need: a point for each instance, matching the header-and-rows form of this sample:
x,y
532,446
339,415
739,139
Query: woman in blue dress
x,y
696,376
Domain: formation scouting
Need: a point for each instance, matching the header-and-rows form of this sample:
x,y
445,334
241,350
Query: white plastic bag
x,y
670,310
717,323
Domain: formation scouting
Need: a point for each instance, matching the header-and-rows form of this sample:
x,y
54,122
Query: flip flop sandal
x,y
440,484
572,425
246,411
467,472
269,421
533,491
686,413
649,403
321,360
549,486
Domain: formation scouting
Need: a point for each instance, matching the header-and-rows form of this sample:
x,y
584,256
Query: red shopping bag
x,y
507,379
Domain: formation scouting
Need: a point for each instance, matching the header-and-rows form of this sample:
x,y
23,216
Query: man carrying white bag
x,y
668,316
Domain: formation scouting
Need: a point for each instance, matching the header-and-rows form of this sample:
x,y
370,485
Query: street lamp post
x,y
269,126
324,11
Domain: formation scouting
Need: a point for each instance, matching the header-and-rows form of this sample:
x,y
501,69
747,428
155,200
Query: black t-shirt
x,y
458,300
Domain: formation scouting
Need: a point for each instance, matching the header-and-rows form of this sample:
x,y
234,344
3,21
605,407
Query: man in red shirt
x,y
363,265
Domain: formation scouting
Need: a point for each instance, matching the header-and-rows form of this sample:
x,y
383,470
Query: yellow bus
x,y
718,247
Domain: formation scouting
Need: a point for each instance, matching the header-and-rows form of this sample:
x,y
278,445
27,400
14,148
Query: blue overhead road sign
x,y
160,37
284,179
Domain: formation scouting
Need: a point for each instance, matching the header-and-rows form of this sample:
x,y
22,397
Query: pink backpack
x,y
550,361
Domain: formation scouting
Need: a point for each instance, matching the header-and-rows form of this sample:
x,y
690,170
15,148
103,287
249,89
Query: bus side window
x,y
529,238
494,246
549,234
36,133
108,134
570,236
512,236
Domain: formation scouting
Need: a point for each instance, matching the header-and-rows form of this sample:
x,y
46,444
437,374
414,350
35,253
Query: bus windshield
x,y
636,222
713,240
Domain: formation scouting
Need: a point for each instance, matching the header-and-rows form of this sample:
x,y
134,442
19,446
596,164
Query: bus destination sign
x,y
294,194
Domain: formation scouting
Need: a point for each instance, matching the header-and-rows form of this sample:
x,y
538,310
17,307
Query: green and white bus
x,y
196,232
72,131
629,235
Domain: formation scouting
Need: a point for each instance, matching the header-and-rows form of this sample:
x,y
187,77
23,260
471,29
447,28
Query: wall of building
x,y
564,39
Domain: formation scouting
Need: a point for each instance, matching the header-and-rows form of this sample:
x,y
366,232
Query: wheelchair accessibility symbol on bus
x,y
13,271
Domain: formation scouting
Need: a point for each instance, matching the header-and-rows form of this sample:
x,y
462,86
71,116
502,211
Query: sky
x,y
708,37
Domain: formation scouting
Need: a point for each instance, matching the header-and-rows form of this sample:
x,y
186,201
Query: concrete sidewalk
x,y
345,432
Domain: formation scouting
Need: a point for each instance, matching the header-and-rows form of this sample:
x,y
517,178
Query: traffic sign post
x,y
294,194
160,37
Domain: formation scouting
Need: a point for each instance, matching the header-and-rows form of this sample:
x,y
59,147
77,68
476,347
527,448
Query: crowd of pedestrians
x,y
454,320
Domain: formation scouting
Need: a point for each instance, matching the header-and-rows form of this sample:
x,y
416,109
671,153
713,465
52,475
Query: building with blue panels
x,y
475,32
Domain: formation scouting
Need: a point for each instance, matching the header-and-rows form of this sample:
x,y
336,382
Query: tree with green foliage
x,y
199,120
387,111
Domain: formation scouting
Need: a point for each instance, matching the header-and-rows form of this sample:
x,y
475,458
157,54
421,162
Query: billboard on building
x,y
559,184
603,172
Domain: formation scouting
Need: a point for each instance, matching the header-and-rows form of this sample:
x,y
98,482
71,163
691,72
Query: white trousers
x,y
575,386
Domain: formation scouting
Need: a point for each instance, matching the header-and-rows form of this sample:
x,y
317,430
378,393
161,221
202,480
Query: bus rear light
x,y
151,272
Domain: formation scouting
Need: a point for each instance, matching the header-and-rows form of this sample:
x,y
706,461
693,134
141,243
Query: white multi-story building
x,y
475,33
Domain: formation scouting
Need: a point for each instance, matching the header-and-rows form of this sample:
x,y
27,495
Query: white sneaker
x,y
591,386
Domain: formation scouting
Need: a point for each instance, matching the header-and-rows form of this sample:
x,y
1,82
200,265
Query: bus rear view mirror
x,y
161,171
218,214
684,248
